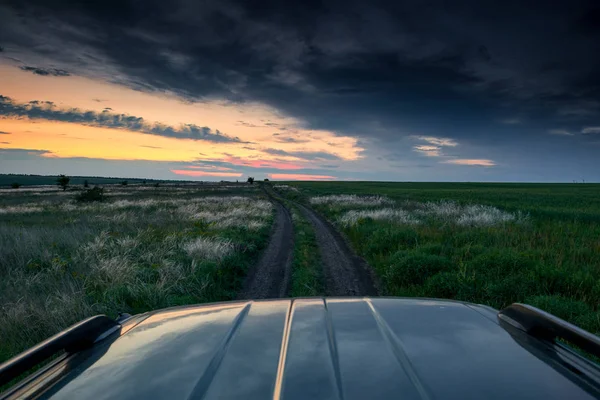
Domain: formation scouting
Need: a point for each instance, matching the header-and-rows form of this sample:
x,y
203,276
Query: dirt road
x,y
345,273
270,278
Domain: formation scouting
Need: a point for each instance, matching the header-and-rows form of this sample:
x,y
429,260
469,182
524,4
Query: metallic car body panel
x,y
334,348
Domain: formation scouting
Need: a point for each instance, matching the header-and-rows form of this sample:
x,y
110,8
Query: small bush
x,y
561,306
15,185
497,264
124,183
444,285
407,269
590,322
383,240
86,184
94,194
512,289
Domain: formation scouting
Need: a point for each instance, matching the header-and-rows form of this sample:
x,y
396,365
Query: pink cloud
x,y
206,173
301,177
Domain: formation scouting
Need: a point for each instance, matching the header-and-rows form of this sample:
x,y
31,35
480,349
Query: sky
x,y
301,90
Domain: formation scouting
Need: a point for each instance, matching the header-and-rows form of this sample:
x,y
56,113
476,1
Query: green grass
x,y
307,271
62,261
551,261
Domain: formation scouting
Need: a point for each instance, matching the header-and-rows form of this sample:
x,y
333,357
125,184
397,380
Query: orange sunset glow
x,y
258,129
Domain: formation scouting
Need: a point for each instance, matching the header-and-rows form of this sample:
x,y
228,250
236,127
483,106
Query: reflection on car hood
x,y
347,348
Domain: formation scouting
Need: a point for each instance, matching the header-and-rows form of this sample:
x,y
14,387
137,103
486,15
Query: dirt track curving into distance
x,y
346,274
270,278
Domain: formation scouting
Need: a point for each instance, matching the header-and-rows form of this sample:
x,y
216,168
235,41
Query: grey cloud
x,y
289,139
9,153
307,155
591,130
4,133
45,71
48,111
277,152
562,132
248,124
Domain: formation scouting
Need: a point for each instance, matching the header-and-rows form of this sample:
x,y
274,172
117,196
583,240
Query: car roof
x,y
320,348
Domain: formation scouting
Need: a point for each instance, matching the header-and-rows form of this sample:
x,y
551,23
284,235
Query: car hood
x,y
334,348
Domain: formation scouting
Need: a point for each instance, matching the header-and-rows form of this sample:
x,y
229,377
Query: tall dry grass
x,y
62,261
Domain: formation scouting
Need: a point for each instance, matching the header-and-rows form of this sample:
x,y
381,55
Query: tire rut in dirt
x,y
270,277
346,274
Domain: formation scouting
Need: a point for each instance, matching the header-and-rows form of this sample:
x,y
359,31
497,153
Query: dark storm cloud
x,y
353,67
48,111
4,133
45,71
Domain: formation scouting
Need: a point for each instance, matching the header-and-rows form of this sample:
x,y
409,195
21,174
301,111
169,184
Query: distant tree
x,y
144,182
157,184
124,183
63,181
15,185
86,184
266,180
250,180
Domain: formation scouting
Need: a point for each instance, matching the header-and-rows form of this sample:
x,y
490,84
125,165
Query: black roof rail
x,y
543,325
75,338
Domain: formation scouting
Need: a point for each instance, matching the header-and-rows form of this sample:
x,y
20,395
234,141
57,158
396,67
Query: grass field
x,y
147,247
143,248
486,243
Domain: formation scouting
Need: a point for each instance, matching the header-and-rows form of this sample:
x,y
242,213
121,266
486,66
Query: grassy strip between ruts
x,y
307,272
